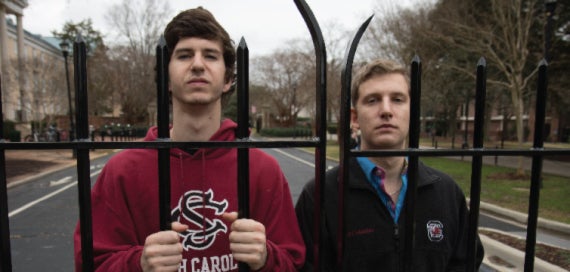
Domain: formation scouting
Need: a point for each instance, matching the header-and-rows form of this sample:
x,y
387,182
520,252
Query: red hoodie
x,y
203,186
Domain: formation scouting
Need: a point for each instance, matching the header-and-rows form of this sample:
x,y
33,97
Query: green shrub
x,y
286,132
332,128
10,132
14,136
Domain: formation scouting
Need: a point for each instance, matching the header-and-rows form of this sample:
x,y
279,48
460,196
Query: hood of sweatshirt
x,y
225,133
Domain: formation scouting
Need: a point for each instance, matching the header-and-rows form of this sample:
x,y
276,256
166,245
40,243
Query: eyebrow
x,y
189,50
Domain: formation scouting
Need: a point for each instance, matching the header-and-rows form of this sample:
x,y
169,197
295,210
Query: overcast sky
x,y
265,24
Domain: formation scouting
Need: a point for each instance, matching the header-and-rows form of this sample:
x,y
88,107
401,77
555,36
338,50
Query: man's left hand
x,y
247,240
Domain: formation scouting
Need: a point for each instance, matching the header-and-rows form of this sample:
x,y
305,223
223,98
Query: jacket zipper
x,y
397,245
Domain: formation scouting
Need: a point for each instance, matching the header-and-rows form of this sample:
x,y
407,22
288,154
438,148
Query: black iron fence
x,y
83,144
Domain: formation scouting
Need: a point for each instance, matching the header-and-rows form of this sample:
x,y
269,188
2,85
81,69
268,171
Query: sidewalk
x,y
25,165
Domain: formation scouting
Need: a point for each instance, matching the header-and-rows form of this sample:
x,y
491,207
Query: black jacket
x,y
373,241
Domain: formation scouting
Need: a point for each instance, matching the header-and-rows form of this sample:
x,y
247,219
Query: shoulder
x,y
130,158
261,158
439,179
330,182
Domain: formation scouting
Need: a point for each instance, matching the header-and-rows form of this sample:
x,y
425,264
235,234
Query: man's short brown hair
x,y
376,68
200,23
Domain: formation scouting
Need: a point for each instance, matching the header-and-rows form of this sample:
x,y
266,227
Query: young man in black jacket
x,y
375,217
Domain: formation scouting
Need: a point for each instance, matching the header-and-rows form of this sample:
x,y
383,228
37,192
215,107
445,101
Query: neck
x,y
391,165
197,123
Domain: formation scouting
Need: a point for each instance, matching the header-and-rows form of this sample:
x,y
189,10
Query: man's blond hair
x,y
376,68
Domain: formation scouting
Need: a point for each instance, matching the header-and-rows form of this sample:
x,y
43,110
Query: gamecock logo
x,y
435,230
203,232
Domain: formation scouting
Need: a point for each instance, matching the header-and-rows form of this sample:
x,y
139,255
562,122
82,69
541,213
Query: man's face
x,y
197,72
382,112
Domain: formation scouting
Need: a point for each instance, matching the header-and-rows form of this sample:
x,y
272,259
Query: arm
x,y
119,230
271,205
305,215
459,257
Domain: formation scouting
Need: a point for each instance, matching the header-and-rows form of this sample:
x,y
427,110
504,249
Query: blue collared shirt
x,y
369,167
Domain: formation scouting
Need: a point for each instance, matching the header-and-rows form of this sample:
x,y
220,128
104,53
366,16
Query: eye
x,y
399,99
370,100
183,56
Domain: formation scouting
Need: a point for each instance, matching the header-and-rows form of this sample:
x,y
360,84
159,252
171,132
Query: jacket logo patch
x,y
202,230
435,230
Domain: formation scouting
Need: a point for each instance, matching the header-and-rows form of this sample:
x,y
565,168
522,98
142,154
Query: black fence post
x,y
413,161
82,130
242,134
476,164
535,181
162,59
5,251
344,139
321,123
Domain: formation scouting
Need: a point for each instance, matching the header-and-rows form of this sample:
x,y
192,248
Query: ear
x,y
354,119
227,86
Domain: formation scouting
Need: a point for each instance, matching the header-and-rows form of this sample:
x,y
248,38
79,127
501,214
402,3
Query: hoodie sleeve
x,y
117,239
272,205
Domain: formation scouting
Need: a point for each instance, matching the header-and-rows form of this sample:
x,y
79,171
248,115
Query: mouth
x,y
197,81
386,126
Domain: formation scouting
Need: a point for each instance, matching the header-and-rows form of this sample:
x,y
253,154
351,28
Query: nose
x,y
386,109
198,63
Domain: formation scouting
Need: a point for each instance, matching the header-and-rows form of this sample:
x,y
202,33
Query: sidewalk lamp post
x,y
65,50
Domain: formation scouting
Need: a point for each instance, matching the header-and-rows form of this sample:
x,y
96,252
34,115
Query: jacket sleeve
x,y
305,209
115,243
273,207
305,216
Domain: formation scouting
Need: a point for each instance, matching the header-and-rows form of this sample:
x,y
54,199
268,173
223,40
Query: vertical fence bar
x,y
414,138
84,180
243,133
344,142
321,124
162,58
5,251
536,166
476,164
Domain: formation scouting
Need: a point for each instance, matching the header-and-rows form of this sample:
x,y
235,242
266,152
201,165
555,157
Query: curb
x,y
514,257
523,218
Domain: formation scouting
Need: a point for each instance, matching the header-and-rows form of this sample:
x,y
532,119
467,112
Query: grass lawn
x,y
498,188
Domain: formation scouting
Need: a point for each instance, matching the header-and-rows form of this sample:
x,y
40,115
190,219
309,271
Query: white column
x,y
3,56
21,67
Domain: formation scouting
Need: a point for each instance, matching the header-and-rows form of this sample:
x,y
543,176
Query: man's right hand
x,y
162,250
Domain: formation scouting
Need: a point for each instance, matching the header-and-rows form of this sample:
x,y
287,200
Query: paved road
x,y
43,215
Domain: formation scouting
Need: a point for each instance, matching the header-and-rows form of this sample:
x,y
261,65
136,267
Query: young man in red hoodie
x,y
206,234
